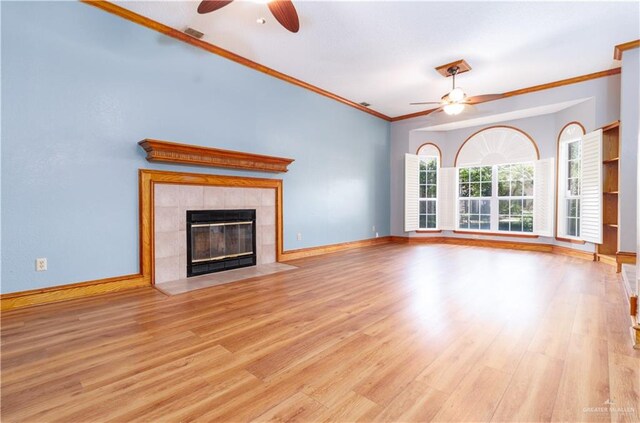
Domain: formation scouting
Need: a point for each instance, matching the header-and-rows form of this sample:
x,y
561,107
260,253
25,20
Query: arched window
x,y
430,159
569,180
496,181
497,145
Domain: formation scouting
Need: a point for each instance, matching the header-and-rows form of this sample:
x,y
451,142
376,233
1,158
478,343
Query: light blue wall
x,y
81,87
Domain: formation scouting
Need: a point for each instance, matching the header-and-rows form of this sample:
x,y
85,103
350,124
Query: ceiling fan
x,y
282,10
455,101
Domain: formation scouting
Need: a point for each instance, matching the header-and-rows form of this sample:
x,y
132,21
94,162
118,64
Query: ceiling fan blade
x,y
482,98
285,13
432,111
208,6
425,102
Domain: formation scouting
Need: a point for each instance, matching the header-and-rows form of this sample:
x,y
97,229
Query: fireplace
x,y
220,240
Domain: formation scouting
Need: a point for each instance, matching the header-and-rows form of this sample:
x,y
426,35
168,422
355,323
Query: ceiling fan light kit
x,y
456,95
453,109
455,101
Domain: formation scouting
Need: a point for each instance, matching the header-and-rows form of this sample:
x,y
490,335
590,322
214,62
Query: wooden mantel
x,y
173,152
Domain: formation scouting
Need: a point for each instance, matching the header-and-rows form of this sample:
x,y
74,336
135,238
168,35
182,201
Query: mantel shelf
x,y
173,152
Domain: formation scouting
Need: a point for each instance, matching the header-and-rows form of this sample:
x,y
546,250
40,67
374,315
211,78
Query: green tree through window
x,y
515,193
474,197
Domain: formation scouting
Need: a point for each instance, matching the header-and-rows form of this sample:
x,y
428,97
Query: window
x,y
496,170
513,194
474,197
428,192
515,197
498,184
572,201
569,181
429,155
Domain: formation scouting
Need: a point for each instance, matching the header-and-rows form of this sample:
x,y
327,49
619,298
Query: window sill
x,y
429,231
571,240
511,235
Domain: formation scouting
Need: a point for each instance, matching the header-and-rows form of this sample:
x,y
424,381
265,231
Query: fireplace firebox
x,y
220,240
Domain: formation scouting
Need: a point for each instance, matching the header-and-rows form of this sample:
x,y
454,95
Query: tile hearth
x,y
212,279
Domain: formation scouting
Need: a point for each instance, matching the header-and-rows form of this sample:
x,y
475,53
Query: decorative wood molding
x,y
563,82
568,240
558,238
607,259
528,90
326,249
489,243
614,124
211,48
174,33
421,239
462,65
624,257
510,245
71,291
147,180
510,235
437,148
572,252
173,152
149,177
621,48
573,122
455,161
413,115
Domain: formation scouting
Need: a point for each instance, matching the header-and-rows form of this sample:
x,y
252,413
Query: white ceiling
x,y
384,52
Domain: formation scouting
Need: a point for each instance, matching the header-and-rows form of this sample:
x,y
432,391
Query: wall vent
x,y
365,104
194,33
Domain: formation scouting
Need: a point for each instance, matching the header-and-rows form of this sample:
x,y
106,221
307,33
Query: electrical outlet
x,y
373,228
377,235
41,264
299,236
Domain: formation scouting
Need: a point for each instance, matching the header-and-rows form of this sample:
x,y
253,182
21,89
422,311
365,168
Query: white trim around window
x,y
569,182
490,197
428,193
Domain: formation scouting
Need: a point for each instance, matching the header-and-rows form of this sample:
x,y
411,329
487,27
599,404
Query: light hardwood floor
x,y
383,333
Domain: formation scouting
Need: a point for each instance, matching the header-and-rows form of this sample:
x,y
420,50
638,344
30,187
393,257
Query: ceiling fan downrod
x,y
453,70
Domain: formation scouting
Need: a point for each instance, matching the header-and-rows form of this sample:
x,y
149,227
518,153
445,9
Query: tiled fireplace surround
x,y
171,203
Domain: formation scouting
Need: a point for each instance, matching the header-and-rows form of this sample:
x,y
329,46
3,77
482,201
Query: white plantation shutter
x,y
543,198
561,201
591,188
411,192
447,198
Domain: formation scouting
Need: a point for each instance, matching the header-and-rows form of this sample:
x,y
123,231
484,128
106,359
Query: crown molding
x,y
211,48
621,48
174,33
555,84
